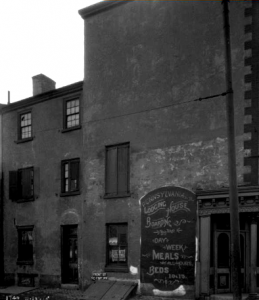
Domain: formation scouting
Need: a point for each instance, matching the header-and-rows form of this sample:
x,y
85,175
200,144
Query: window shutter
x,y
36,182
111,171
13,185
27,183
123,169
74,175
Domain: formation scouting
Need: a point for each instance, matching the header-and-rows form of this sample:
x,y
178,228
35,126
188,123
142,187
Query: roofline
x,y
63,91
100,7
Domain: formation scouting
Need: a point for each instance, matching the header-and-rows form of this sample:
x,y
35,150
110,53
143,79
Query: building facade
x,y
126,173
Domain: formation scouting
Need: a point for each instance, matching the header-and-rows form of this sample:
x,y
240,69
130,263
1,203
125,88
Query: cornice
x,y
100,7
69,89
217,202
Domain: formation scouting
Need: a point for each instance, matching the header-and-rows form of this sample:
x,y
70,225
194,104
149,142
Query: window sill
x,y
25,200
117,269
71,128
24,262
70,194
24,140
111,196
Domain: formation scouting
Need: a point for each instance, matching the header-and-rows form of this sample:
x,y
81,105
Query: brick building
x,y
110,156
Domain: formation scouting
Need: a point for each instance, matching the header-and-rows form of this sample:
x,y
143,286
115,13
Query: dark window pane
x,y
111,171
70,176
223,250
123,170
117,244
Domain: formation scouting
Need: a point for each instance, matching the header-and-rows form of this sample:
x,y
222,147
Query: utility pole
x,y
233,194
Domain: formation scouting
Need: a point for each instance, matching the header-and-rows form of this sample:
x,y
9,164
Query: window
x,y
25,244
21,184
117,171
70,177
117,246
72,114
25,126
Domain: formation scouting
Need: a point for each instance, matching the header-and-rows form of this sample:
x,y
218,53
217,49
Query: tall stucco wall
x,y
143,60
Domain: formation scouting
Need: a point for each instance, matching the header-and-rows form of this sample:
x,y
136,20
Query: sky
x,y
40,37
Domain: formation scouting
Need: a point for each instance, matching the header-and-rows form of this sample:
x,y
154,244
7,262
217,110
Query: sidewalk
x,y
62,294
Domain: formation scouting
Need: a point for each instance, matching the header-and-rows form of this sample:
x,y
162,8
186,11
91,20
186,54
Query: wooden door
x,y
69,254
222,278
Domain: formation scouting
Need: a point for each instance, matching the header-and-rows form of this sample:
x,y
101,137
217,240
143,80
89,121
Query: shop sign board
x,y
168,228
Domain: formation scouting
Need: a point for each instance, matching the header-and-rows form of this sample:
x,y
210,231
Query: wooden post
x,y
253,257
205,255
233,195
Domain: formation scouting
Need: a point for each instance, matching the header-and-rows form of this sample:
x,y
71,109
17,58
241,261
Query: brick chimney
x,y
42,84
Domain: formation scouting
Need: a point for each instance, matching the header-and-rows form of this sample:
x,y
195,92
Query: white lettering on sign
x,y
160,240
175,247
179,263
157,270
164,232
155,207
165,255
166,194
163,222
178,223
177,206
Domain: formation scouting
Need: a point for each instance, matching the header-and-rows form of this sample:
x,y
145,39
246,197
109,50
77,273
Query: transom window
x,y
117,245
70,176
25,126
72,113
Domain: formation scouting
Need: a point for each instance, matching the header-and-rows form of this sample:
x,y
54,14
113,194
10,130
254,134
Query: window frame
x,y
116,266
19,129
65,101
69,192
117,194
18,195
21,260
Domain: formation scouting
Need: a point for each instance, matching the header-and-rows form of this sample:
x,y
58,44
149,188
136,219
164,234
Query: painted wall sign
x,y
168,224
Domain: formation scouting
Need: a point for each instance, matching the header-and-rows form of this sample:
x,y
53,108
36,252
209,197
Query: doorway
x,y
69,252
221,254
223,261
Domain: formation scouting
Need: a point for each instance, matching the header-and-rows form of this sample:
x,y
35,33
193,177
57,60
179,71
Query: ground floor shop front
x,y
214,255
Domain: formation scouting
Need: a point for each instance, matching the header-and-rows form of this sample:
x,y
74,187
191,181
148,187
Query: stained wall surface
x,y
145,64
49,211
